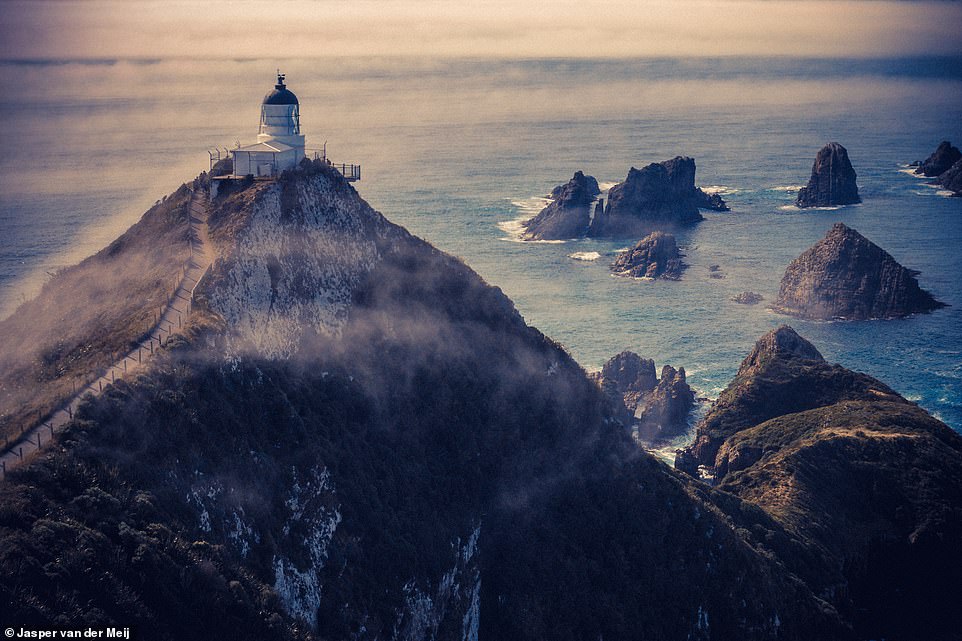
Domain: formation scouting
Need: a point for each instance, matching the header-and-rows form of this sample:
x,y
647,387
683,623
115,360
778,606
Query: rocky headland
x,y
658,196
654,256
661,405
832,181
353,436
846,276
939,161
866,482
568,214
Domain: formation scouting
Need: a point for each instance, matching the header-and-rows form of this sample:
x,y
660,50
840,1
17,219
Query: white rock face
x,y
294,267
309,503
458,590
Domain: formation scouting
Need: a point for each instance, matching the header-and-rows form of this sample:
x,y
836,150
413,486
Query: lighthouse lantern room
x,y
280,144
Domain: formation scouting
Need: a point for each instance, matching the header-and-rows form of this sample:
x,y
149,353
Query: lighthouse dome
x,y
281,95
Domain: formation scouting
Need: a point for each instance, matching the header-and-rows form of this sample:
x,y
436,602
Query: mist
x,y
499,28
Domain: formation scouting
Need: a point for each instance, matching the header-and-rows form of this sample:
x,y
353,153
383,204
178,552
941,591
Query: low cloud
x,y
502,28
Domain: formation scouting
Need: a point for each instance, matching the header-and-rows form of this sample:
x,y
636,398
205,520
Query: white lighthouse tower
x,y
281,118
280,144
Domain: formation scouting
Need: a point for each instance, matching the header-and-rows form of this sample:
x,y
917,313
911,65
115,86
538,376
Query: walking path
x,y
170,320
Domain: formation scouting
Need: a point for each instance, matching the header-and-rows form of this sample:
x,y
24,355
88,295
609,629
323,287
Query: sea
x,y
460,150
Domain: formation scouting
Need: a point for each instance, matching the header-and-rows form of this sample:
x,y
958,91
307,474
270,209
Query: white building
x,y
280,144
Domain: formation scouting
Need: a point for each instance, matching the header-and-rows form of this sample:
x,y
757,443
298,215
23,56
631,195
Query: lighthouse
x,y
280,144
281,117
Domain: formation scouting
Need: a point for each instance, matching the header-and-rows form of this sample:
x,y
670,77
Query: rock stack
x,y
846,276
568,214
655,197
655,256
832,181
944,156
945,165
629,382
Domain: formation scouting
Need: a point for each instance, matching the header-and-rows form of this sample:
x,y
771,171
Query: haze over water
x,y
456,149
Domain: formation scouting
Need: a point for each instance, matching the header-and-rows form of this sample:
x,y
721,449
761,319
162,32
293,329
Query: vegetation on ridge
x,y
88,315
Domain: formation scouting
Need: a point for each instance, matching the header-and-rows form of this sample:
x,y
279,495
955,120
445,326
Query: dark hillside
x,y
359,438
89,314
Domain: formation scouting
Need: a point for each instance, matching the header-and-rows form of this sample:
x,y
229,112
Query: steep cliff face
x,y
865,480
568,214
832,181
847,276
372,444
658,196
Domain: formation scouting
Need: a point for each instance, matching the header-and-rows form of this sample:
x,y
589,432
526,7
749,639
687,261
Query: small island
x,y
945,166
655,256
832,181
658,196
846,276
939,161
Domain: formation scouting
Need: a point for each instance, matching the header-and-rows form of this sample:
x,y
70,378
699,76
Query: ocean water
x,y
459,150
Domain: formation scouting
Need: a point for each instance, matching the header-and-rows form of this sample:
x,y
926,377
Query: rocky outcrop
x,y
944,156
846,276
951,178
655,256
626,378
658,196
662,405
667,407
867,482
783,374
747,298
568,214
832,181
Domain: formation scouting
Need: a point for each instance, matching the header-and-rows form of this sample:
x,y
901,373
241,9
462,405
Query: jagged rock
x,y
847,276
655,256
625,379
951,178
868,482
832,181
715,271
712,201
629,381
568,215
944,156
666,407
747,298
654,197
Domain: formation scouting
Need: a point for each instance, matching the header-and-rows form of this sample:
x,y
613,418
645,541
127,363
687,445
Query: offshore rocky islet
x,y
659,195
